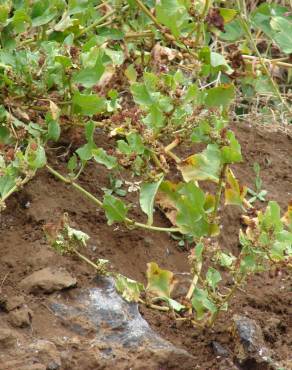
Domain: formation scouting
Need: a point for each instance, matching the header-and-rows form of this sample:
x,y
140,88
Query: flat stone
x,y
20,318
48,280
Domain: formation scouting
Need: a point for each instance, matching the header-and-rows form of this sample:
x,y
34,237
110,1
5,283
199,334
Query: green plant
x,y
258,193
115,187
151,76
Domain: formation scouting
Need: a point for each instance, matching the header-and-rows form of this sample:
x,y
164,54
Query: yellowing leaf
x,y
234,192
203,166
160,282
287,218
128,288
55,110
227,14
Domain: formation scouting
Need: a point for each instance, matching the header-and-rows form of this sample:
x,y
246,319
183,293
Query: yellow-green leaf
x,y
160,282
234,192
203,166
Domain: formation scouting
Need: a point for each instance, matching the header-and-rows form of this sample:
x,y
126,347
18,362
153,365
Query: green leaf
x,y
131,73
88,104
85,152
64,61
72,163
7,182
4,135
4,13
160,282
226,260
47,16
128,288
136,143
101,156
201,302
172,14
218,60
141,95
134,146
155,119
147,196
173,304
231,153
192,217
203,166
233,31
35,156
283,35
20,20
89,77
270,221
213,277
89,131
220,96
115,209
198,252
54,130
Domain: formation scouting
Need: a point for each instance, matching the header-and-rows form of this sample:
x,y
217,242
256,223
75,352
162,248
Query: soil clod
x,y
48,280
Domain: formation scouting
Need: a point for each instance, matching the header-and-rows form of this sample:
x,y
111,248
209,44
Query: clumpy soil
x,y
23,250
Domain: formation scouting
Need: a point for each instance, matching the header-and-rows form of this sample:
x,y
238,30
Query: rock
x,y
250,347
20,318
53,366
48,280
219,350
119,331
11,303
8,338
46,352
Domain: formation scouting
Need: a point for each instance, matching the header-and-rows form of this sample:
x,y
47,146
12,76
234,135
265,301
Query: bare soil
x,y
23,250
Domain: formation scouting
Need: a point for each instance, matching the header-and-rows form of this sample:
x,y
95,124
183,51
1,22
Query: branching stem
x,y
96,201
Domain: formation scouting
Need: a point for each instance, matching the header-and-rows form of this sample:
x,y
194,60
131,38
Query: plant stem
x,y
96,23
218,193
201,20
194,281
137,35
150,15
273,62
85,259
225,300
100,204
154,306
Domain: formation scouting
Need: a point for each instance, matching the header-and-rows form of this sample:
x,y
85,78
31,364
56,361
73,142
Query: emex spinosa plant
x,y
153,76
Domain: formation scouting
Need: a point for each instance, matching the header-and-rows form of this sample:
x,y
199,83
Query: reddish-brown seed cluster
x,y
214,18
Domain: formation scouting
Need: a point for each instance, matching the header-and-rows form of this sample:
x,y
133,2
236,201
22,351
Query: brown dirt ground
x,y
23,249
